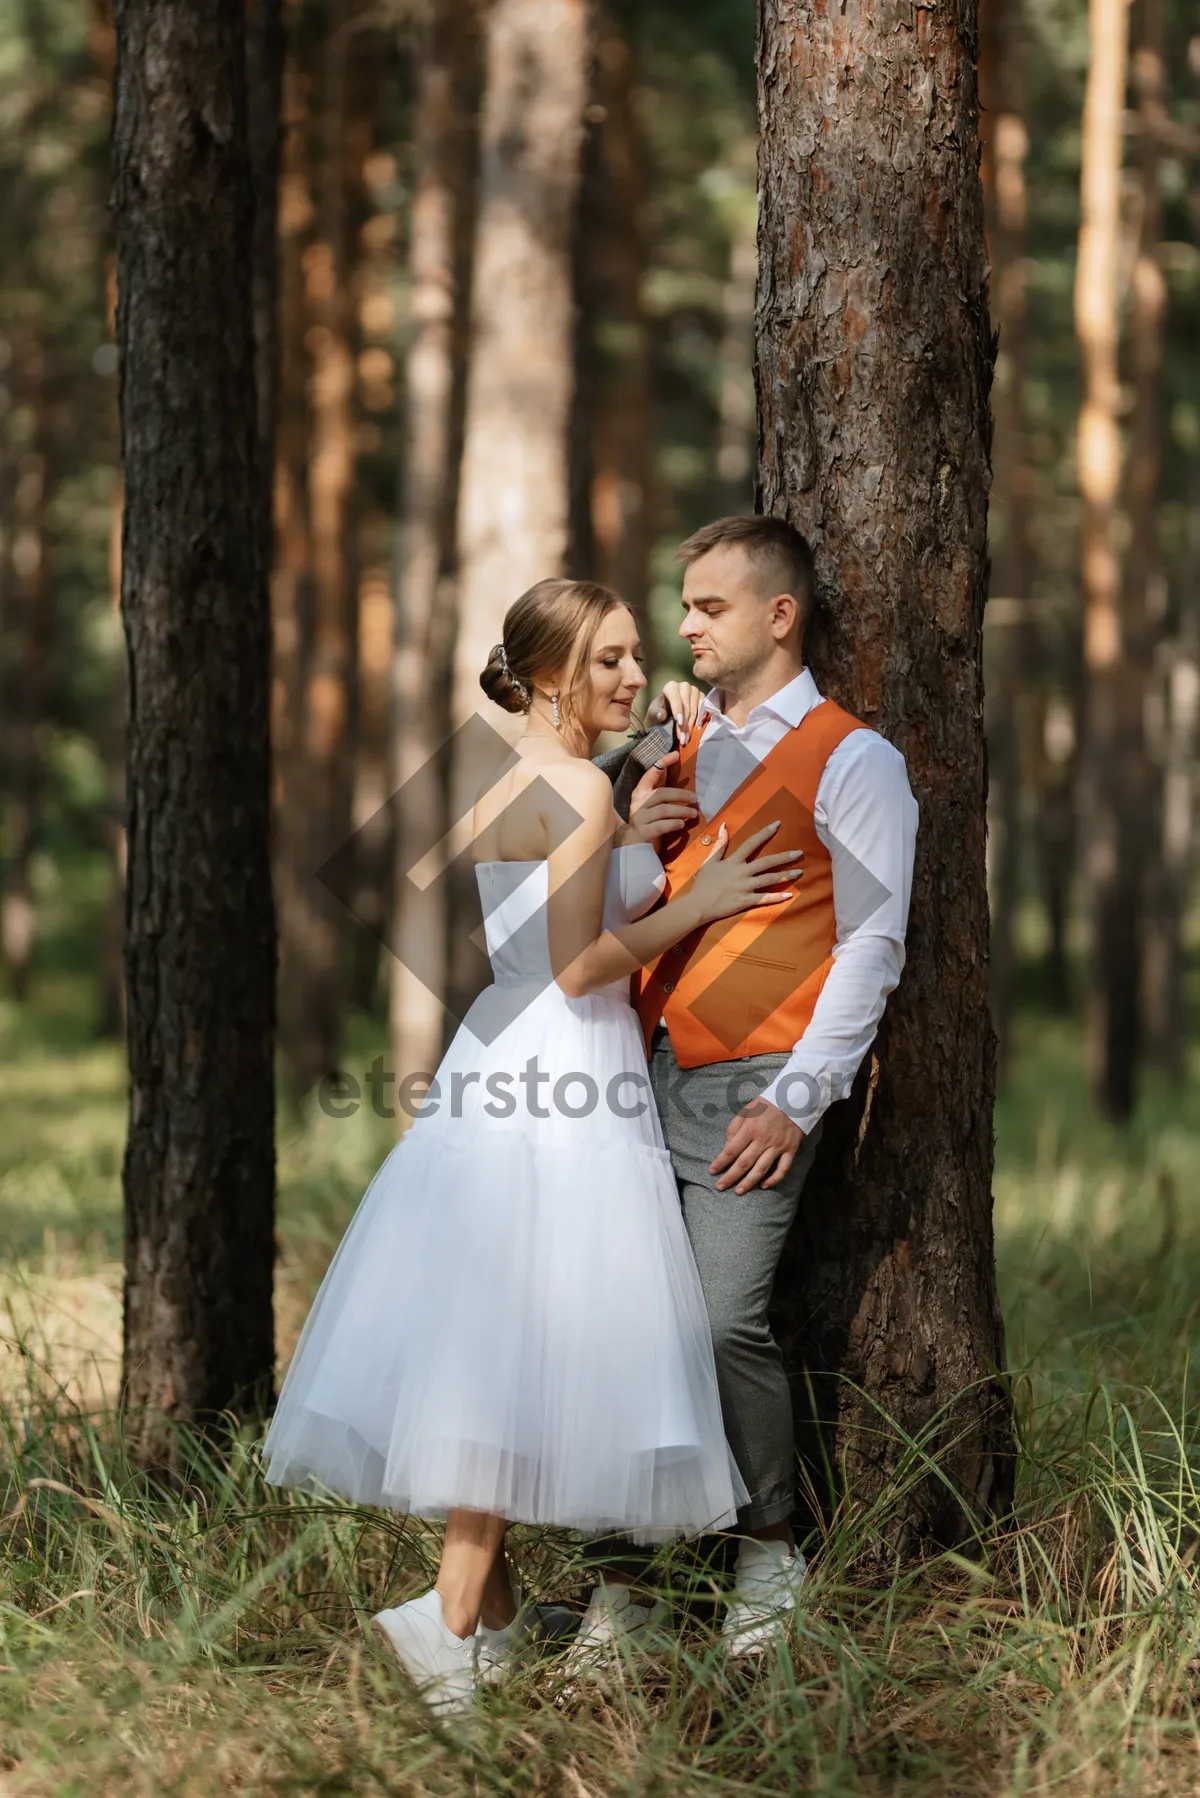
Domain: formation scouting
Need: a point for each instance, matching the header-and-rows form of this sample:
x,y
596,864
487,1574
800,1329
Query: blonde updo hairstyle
x,y
549,629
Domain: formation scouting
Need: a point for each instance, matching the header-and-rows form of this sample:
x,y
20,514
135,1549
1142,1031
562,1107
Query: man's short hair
x,y
783,552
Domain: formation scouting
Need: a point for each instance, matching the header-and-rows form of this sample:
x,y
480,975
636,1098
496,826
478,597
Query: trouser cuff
x,y
758,1517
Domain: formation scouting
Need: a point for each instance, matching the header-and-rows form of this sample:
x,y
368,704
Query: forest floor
x,y
208,1642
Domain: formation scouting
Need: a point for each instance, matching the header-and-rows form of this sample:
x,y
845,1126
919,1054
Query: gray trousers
x,y
737,1241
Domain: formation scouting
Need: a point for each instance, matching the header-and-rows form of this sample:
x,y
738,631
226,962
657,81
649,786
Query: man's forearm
x,y
845,1019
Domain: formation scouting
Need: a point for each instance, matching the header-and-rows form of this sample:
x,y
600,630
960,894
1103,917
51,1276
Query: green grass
x,y
206,1640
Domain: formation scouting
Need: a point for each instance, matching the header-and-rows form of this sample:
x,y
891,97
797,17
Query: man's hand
x,y
761,1140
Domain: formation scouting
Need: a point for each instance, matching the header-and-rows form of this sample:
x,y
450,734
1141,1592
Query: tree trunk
x,y
265,53
312,988
1005,143
513,509
513,515
32,603
110,1009
311,992
1178,742
200,940
1142,822
1056,781
612,431
873,366
735,452
1114,696
291,573
443,220
371,845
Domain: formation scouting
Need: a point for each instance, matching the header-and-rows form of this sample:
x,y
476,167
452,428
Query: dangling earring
x,y
557,714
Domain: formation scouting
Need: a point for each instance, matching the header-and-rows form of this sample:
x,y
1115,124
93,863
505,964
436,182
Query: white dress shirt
x,y
866,817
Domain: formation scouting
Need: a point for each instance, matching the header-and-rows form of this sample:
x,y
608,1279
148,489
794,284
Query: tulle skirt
x,y
514,1321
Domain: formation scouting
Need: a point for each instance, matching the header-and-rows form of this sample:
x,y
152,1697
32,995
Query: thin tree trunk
x,y
1055,757
1143,594
372,844
370,853
513,509
612,427
442,232
1113,695
312,995
873,371
1179,734
110,1010
1005,144
735,455
32,603
291,574
200,940
312,992
514,513
265,56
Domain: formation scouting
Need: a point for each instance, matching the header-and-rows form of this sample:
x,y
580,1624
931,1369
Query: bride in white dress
x,y
513,1327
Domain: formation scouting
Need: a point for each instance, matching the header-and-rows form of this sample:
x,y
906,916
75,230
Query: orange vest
x,y
747,985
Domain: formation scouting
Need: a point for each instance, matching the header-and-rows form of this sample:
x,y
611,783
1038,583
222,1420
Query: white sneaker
x,y
440,1664
613,1621
767,1580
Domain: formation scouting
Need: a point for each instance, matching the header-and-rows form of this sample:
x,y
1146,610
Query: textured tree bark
x,y
1011,753
612,446
1109,724
442,233
513,507
873,366
200,941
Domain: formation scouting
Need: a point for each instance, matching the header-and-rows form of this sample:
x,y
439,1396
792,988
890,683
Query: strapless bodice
x,y
514,897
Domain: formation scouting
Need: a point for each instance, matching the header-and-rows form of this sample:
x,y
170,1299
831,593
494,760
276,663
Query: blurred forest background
x,y
413,500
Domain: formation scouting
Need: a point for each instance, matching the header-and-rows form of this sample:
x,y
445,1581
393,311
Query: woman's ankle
x,y
499,1606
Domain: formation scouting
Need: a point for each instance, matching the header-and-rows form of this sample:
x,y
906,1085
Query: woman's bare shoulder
x,y
583,779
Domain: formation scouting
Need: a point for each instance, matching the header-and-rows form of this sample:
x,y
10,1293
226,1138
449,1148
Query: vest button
x,y
678,949
706,840
668,986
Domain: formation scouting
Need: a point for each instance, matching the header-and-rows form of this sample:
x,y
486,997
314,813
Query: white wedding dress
x,y
514,1321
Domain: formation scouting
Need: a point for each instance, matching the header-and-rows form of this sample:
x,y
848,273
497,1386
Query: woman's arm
x,y
585,958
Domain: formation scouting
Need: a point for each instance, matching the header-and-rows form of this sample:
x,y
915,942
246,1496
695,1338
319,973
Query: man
x,y
755,1025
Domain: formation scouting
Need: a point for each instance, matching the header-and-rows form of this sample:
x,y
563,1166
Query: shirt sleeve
x,y
866,816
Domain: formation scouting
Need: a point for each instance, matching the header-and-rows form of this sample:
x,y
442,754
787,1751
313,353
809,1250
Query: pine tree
x,y
873,369
200,942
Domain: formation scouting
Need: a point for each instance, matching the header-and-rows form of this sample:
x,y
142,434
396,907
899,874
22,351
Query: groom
x,y
756,1024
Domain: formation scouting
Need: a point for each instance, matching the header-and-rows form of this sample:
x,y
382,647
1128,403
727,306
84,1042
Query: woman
x,y
512,1327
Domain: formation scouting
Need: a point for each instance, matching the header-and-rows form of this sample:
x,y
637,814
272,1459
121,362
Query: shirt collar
x,y
791,704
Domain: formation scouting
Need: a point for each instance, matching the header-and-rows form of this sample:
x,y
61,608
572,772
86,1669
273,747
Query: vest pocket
x,y
784,966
